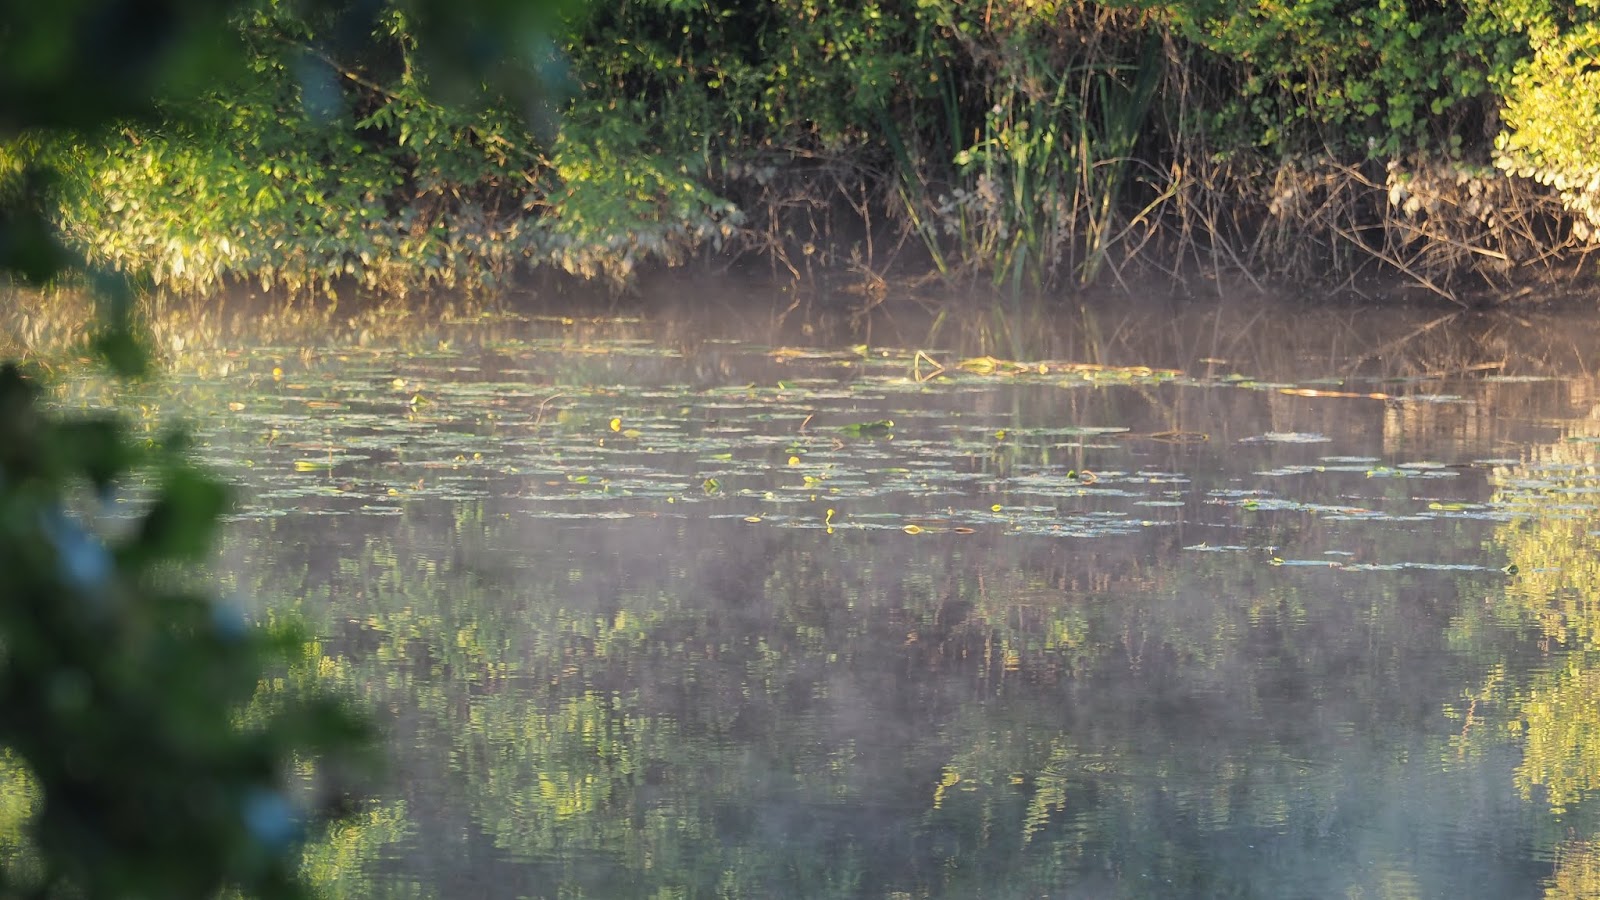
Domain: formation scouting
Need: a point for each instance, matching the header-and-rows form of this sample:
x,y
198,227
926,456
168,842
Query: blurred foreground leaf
x,y
123,688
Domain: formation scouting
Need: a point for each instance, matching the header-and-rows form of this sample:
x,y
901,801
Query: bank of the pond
x,y
1035,145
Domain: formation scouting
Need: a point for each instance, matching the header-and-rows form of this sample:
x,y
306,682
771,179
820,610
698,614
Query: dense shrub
x,y
1046,140
1552,115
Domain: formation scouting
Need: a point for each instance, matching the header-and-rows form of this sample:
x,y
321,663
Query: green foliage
x,y
80,63
1378,78
620,204
143,755
730,76
28,249
1030,141
121,685
333,161
309,173
1005,131
1046,174
1552,115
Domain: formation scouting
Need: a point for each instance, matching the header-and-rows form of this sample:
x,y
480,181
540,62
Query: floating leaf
x,y
868,429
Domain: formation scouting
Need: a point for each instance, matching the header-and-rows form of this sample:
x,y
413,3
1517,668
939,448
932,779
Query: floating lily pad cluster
x,y
854,440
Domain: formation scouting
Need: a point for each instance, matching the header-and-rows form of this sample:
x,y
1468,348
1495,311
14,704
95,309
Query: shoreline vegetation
x,y
1444,148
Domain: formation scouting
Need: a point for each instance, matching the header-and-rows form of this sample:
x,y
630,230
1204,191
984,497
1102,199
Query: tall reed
x,y
1035,195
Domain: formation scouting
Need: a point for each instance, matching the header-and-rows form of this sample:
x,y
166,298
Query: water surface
x,y
1193,600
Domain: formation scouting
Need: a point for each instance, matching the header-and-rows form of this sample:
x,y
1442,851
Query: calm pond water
x,y
1195,600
